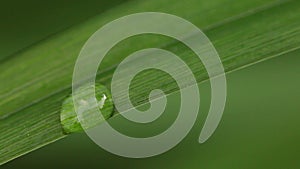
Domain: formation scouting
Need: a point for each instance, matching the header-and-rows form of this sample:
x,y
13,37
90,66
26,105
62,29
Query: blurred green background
x,y
260,127
24,23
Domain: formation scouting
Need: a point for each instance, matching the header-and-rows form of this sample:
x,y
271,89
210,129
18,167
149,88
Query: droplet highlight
x,y
68,117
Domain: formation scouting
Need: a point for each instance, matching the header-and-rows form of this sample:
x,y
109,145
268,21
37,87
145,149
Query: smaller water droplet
x,y
68,116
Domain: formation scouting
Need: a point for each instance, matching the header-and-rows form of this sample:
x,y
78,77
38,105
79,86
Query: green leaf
x,y
35,82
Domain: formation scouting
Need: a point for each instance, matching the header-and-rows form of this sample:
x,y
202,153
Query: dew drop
x,y
68,116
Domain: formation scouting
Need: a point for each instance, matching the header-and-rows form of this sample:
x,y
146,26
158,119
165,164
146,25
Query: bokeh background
x,y
260,127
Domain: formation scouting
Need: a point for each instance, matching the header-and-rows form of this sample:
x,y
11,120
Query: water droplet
x,y
68,116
